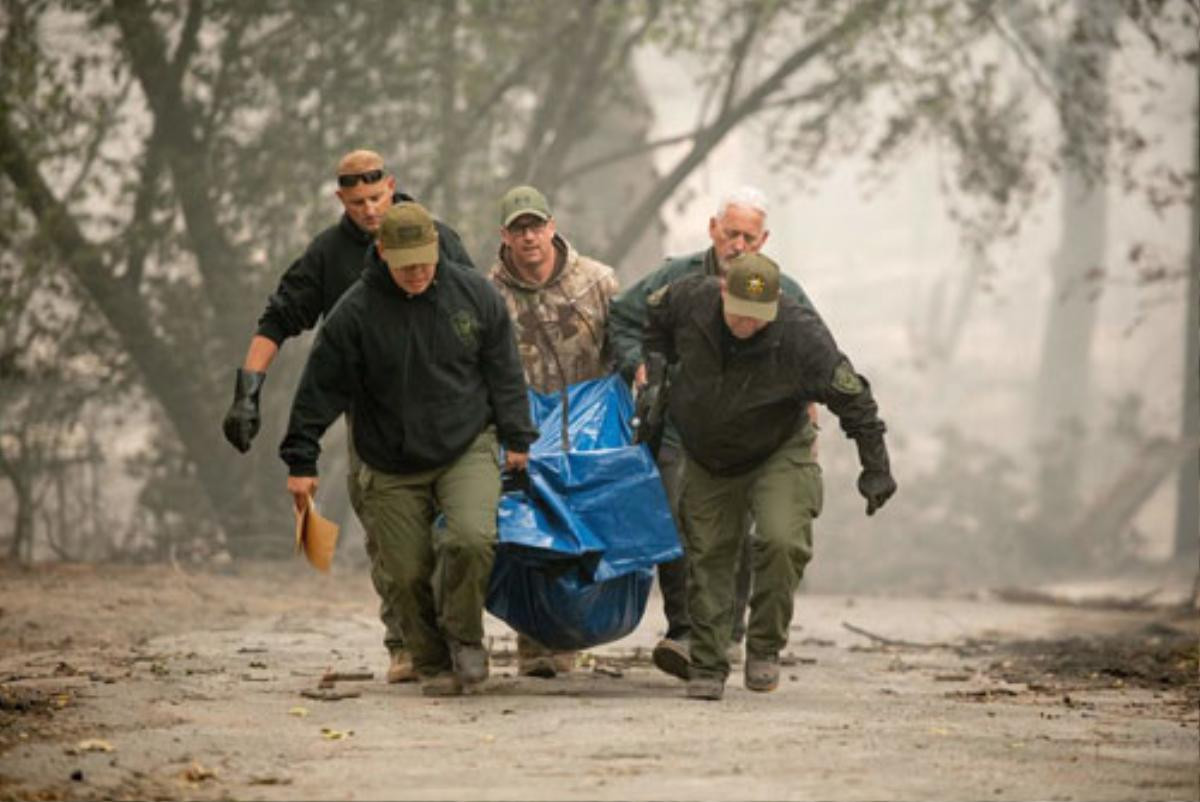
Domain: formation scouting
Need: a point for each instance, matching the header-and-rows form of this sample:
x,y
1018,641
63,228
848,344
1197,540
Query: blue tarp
x,y
577,548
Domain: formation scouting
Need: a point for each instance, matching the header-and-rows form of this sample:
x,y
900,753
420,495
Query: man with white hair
x,y
748,362
739,226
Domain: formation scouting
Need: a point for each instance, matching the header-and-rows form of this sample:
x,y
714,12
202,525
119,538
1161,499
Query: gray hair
x,y
748,196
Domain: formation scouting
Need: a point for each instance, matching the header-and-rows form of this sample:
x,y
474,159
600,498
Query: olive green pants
x,y
438,575
393,632
784,495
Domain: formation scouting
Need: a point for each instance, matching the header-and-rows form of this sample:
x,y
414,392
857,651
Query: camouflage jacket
x,y
560,325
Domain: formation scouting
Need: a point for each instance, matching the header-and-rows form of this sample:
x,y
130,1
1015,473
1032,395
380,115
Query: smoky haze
x,y
996,220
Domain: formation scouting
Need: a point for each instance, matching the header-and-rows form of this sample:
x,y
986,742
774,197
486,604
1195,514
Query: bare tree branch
x,y
98,133
739,53
468,122
185,154
188,40
165,374
643,213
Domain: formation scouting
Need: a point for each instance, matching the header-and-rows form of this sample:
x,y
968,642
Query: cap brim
x,y
420,255
538,213
760,310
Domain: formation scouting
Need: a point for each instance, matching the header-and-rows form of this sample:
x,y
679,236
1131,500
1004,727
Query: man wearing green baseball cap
x,y
749,361
560,343
420,353
306,293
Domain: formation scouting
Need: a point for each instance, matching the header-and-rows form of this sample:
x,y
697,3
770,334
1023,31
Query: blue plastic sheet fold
x,y
577,548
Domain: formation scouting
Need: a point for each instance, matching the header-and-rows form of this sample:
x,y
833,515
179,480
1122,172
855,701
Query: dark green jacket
x,y
421,375
331,263
735,402
627,313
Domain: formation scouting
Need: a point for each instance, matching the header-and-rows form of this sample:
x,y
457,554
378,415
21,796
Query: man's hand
x,y
875,483
639,376
516,460
650,409
242,419
876,487
302,489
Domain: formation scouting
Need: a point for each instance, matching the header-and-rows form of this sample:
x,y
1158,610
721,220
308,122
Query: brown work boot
x,y
444,683
707,688
672,656
564,662
541,666
762,672
400,669
534,659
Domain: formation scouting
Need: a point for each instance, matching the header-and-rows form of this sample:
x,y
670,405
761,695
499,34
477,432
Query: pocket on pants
x,y
810,485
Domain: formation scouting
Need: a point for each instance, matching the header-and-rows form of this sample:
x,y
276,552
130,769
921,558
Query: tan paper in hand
x,y
316,536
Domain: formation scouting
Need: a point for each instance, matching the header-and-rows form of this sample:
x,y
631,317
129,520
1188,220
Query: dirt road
x,y
152,682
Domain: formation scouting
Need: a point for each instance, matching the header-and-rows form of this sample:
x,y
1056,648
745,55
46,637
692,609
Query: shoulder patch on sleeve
x,y
845,380
657,297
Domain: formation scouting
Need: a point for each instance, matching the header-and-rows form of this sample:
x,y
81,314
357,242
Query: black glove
x,y
651,409
875,483
242,419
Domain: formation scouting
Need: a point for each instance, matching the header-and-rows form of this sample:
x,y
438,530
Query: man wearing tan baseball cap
x,y
306,293
748,362
738,225
421,355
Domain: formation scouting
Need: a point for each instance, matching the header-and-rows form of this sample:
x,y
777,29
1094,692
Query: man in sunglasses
x,y
739,226
307,292
558,301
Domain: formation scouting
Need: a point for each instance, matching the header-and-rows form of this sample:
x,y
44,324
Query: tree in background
x,y
175,156
59,369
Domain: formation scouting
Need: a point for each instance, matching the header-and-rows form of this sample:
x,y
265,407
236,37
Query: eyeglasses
x,y
353,179
519,228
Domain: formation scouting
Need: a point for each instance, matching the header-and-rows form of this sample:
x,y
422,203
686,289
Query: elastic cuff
x,y
272,332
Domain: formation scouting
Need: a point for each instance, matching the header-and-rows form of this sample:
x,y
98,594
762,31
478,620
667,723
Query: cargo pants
x,y
784,495
393,633
672,576
438,575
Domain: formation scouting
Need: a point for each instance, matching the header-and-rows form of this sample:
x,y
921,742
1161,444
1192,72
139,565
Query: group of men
x,y
429,359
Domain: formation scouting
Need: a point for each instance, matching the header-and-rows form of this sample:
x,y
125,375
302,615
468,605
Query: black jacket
x,y
736,401
421,376
331,263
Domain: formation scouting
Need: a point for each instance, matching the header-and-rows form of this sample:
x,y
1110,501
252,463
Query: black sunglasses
x,y
352,179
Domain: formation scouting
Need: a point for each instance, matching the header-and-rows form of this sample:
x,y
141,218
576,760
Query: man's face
x,y
530,241
743,327
367,203
413,279
738,230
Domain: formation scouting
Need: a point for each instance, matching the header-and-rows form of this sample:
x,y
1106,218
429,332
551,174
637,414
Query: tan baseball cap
x,y
407,236
752,287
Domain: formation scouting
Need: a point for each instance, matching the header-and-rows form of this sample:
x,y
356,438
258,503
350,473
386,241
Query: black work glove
x,y
650,412
242,419
875,483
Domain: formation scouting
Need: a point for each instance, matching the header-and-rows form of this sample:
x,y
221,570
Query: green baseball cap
x,y
752,287
523,200
408,236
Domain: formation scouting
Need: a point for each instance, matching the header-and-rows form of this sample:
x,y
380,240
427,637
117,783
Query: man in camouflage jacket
x,y
558,301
